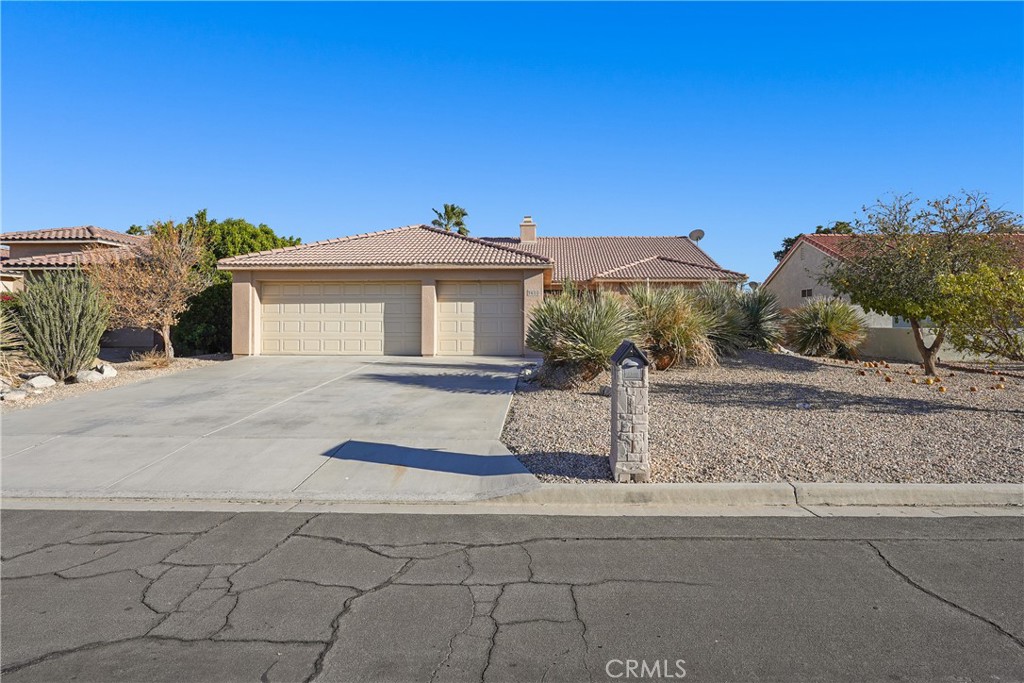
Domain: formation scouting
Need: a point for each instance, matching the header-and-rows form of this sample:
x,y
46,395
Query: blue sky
x,y
750,121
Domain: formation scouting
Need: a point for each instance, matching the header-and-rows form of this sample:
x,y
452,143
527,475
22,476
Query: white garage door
x,y
346,318
480,318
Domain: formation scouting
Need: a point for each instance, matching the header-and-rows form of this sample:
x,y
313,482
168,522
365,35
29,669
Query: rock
x,y
88,376
106,370
606,390
16,395
40,382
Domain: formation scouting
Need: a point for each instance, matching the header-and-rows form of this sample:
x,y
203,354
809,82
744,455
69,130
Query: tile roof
x,y
661,268
80,233
412,245
67,259
584,258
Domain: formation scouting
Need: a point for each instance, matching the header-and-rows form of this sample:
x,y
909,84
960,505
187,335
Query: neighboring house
x,y
797,279
36,251
418,290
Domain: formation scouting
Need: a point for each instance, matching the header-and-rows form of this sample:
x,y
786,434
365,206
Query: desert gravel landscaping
x,y
128,372
763,417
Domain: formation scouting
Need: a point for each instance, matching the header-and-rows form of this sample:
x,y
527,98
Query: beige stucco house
x,y
797,277
418,290
31,252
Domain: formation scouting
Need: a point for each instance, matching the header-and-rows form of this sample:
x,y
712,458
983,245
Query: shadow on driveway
x,y
427,459
477,382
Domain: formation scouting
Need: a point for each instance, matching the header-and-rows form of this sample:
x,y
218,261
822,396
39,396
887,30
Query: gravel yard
x,y
127,373
764,417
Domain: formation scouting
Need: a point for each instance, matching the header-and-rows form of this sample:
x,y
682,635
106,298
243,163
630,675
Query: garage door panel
x,y
341,318
480,318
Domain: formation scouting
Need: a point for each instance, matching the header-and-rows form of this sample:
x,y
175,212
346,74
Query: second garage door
x,y
341,318
480,318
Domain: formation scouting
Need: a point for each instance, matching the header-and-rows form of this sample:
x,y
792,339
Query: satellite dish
x,y
696,235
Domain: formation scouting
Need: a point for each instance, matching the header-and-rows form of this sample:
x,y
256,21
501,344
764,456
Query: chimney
x,y
527,230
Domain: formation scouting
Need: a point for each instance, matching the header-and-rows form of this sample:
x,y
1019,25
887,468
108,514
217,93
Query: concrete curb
x,y
934,495
744,494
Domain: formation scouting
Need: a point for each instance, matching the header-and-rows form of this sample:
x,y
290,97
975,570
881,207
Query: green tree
x,y
205,326
136,230
452,217
904,250
985,309
836,228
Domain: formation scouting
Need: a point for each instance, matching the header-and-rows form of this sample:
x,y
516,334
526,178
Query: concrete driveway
x,y
277,428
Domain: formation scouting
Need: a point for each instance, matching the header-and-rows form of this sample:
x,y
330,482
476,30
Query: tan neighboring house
x,y
796,280
418,290
31,252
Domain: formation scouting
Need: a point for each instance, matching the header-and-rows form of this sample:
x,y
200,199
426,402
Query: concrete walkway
x,y
277,428
163,596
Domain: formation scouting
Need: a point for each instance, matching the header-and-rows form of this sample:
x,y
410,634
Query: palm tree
x,y
451,217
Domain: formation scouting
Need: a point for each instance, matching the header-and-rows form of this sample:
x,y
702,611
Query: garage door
x,y
353,318
480,318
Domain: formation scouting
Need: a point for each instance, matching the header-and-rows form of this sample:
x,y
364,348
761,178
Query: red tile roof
x,y
667,269
81,233
67,259
582,259
413,245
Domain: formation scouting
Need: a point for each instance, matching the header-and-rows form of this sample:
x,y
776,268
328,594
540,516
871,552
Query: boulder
x,y
606,390
40,382
106,369
88,376
16,395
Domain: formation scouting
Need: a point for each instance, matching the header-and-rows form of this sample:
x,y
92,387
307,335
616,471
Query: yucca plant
x,y
671,327
721,302
63,315
578,332
826,327
762,318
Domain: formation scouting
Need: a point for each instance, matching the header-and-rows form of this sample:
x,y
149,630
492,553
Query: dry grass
x,y
151,360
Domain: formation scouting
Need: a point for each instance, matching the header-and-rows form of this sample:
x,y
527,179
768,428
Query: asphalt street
x,y
207,596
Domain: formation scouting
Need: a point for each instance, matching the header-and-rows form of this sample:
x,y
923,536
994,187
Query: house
x,y
418,290
37,251
797,279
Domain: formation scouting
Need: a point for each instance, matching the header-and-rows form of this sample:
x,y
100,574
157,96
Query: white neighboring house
x,y
797,279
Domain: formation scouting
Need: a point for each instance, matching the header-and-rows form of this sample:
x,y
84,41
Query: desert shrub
x,y
12,347
577,332
671,327
826,327
149,360
762,318
62,317
727,322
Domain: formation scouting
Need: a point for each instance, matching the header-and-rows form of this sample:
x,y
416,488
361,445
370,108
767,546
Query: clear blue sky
x,y
750,121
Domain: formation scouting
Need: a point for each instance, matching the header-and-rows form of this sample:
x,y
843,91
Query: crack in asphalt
x,y
407,562
960,608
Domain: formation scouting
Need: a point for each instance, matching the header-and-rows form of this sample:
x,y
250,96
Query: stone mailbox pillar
x,y
630,457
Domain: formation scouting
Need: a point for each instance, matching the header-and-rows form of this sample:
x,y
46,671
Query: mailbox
x,y
629,455
631,359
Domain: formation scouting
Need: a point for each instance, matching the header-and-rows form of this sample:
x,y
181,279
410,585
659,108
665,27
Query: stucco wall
x,y
801,271
20,250
897,343
246,286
